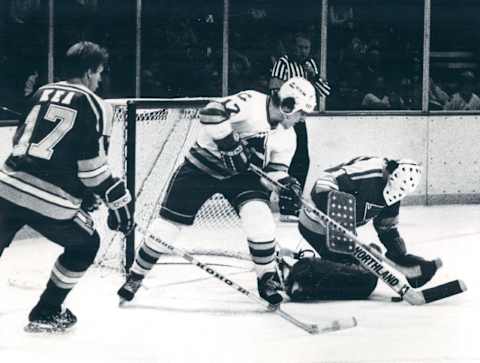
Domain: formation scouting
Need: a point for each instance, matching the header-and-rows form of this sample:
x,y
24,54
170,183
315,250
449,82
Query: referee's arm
x,y
278,76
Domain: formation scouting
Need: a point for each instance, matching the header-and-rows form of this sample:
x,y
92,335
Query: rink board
x,y
446,145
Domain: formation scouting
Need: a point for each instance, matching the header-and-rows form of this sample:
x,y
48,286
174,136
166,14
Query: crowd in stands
x,y
370,65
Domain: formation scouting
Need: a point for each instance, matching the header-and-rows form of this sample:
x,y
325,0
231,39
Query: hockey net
x,y
164,130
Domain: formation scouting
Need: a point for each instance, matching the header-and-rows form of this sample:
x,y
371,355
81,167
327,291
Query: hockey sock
x,y
263,256
61,282
150,250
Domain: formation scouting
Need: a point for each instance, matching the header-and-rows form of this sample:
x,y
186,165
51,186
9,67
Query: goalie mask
x,y
297,94
403,180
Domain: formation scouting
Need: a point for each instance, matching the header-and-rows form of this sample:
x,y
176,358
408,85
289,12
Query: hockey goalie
x,y
352,194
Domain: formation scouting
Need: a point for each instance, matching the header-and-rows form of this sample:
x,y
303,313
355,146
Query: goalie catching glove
x,y
289,196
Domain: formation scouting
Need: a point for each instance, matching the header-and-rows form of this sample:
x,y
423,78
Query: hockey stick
x,y
375,262
13,112
333,325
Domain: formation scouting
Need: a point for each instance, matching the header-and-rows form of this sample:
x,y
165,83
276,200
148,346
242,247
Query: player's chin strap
x,y
330,326
375,262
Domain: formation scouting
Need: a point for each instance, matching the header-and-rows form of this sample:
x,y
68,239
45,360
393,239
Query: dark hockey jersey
x,y
363,177
58,151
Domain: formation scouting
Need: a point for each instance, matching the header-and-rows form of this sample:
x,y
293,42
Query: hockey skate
x,y
288,218
417,270
268,286
48,320
130,287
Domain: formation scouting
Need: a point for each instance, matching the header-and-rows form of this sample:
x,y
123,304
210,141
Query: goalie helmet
x,y
297,94
402,181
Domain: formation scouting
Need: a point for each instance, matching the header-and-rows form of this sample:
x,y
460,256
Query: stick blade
x,y
443,291
336,325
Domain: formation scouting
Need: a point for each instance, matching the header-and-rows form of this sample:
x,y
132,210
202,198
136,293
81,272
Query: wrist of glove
x,y
90,202
118,201
289,196
234,153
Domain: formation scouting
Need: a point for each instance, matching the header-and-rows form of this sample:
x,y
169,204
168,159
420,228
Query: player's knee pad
x,y
164,229
80,257
257,221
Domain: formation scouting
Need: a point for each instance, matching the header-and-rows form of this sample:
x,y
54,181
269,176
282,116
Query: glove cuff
x,y
117,196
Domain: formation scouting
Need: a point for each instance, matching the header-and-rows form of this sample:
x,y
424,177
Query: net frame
x,y
188,108
130,151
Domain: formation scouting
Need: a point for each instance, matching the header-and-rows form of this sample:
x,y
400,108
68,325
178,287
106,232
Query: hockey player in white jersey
x,y
248,127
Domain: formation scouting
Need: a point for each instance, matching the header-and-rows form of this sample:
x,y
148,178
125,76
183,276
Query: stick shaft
x,y
311,328
375,262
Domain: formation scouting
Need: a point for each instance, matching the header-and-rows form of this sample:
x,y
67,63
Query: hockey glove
x,y
118,201
91,202
234,153
289,196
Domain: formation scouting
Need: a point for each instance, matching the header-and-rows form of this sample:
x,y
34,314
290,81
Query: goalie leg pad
x,y
342,209
319,279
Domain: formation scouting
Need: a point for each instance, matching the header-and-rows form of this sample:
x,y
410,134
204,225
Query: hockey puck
x,y
396,299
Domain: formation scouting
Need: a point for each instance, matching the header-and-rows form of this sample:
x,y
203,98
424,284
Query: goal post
x,y
150,138
130,157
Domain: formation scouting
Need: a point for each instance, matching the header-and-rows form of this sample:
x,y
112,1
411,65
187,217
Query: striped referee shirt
x,y
286,68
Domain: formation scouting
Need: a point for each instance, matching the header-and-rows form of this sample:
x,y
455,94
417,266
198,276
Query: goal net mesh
x,y
163,136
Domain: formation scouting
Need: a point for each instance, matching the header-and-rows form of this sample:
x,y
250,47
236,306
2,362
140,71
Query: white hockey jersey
x,y
248,115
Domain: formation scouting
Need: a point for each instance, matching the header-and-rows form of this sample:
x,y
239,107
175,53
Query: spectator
x,y
438,98
373,65
377,98
31,84
240,71
299,63
465,99
340,15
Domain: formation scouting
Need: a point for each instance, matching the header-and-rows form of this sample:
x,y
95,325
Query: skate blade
x,y
38,328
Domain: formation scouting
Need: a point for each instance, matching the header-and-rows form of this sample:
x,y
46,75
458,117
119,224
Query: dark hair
x,y
288,102
391,165
83,56
302,35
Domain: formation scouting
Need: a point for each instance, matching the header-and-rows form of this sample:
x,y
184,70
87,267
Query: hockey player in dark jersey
x,y
378,185
249,127
50,181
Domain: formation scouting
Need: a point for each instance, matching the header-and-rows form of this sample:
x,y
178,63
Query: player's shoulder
x,y
364,167
83,99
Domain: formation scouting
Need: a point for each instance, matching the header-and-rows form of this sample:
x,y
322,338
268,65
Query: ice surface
x,y
184,315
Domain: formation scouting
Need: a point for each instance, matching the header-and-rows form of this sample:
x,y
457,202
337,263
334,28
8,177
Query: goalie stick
x,y
375,262
334,325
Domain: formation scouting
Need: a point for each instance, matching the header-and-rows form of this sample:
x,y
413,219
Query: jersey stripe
x,y
31,197
208,162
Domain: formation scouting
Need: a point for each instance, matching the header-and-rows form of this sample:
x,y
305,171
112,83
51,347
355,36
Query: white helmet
x,y
297,94
402,180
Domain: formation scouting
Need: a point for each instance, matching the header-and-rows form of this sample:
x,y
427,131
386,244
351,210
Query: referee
x,y
298,64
